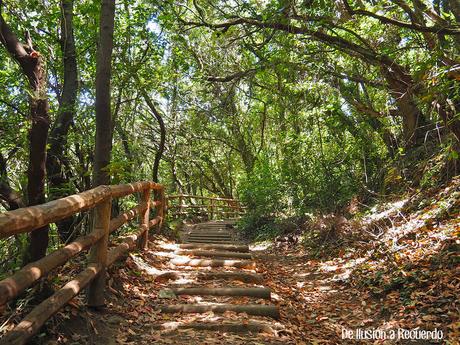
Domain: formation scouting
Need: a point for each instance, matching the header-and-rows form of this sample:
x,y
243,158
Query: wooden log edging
x,y
211,241
229,247
202,291
209,253
213,263
240,276
250,309
232,327
209,236
245,277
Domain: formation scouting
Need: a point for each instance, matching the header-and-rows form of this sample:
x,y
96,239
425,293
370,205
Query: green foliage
x,y
290,122
262,191
259,228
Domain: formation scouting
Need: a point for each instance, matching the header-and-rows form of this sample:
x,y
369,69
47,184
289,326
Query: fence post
x,y
98,253
144,220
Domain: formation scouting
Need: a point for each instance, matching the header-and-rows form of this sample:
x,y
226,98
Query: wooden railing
x,y
184,205
97,241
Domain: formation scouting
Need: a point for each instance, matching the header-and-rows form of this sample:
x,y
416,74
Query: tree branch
x,y
436,29
11,42
348,47
12,106
161,145
230,77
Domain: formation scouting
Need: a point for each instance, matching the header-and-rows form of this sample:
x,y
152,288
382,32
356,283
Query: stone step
x,y
244,277
228,247
231,327
257,292
211,241
210,235
250,309
213,263
219,231
219,254
205,237
240,276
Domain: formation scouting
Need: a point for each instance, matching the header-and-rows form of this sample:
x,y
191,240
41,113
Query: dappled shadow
x,y
133,316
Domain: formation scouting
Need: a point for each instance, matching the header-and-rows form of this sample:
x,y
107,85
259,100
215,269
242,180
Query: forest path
x,y
149,300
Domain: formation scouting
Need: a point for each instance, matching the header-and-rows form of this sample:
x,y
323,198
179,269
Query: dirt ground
x,y
316,301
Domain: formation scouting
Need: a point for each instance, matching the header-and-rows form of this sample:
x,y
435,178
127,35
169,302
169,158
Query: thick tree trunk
x,y
103,147
33,67
402,88
102,151
371,116
38,137
58,179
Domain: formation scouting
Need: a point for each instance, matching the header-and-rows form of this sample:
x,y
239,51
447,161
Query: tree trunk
x,y
33,67
36,172
218,178
177,181
102,151
161,144
103,147
57,178
401,88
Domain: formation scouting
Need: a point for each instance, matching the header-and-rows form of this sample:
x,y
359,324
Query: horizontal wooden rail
x,y
187,205
30,218
198,197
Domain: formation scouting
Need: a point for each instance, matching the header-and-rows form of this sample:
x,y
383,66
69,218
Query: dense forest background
x,y
294,107
335,122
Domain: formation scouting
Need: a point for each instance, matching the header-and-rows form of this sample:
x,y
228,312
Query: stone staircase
x,y
213,257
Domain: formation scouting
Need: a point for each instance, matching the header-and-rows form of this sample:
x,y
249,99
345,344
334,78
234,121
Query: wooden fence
x,y
202,206
97,242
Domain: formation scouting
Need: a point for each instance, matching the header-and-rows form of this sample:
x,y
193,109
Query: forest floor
x,y
314,305
392,268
